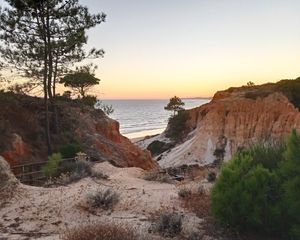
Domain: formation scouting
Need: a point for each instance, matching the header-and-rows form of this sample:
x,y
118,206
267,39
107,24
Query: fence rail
x,y
32,173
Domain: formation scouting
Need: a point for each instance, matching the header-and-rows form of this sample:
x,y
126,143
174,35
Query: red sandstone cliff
x,y
234,118
22,133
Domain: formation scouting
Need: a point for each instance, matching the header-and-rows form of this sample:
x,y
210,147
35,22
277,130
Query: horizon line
x,y
208,98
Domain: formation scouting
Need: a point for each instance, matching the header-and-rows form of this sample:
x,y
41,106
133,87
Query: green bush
x,y
290,88
70,150
258,190
88,100
51,168
158,147
177,125
290,173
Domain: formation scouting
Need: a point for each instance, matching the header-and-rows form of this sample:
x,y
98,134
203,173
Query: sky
x,y
160,48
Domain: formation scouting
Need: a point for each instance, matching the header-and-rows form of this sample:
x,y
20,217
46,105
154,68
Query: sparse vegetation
x,y
257,190
88,100
77,169
184,193
177,129
197,202
51,168
158,177
107,109
169,224
211,177
103,198
81,80
175,104
101,231
70,150
158,147
291,89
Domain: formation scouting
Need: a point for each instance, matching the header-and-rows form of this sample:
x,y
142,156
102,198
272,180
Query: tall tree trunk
x,y
56,121
47,123
45,77
50,55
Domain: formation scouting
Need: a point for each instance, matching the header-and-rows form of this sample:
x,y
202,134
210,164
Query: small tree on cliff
x,y
175,104
81,80
42,38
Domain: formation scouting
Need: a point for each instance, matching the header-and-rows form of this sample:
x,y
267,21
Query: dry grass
x,y
100,232
158,177
103,198
198,203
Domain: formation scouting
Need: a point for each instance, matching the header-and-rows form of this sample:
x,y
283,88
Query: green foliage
x,y
290,170
175,104
158,147
269,155
70,150
258,190
291,89
81,80
50,47
88,100
51,168
177,125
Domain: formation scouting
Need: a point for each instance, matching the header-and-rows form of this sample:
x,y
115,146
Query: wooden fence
x,y
32,173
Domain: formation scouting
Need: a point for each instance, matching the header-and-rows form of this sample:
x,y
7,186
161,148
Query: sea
x,y
139,118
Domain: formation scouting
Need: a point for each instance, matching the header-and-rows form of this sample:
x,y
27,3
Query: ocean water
x,y
140,118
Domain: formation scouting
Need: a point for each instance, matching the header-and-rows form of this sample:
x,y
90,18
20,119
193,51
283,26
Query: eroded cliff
x,y
236,118
22,137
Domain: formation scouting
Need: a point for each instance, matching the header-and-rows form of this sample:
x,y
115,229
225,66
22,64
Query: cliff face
x,y
22,137
234,119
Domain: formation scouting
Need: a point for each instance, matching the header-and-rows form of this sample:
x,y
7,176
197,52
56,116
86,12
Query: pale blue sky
x,y
159,48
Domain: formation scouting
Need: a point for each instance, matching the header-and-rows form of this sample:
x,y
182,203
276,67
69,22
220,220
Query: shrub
x,y
77,170
290,172
158,177
177,125
211,177
68,172
88,100
105,199
82,168
51,168
258,190
240,196
158,147
70,150
169,224
290,88
184,193
100,232
99,175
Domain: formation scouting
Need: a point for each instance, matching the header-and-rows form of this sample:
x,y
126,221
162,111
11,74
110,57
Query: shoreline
x,y
138,136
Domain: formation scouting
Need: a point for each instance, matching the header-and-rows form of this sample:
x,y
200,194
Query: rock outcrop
x,y
234,119
7,178
22,135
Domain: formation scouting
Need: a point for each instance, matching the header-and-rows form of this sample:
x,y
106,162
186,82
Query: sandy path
x,y
43,213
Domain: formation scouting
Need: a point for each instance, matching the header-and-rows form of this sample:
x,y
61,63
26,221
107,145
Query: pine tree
x,y
175,104
290,170
42,39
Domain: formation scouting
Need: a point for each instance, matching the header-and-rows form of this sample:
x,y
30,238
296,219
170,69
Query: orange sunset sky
x,y
161,48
